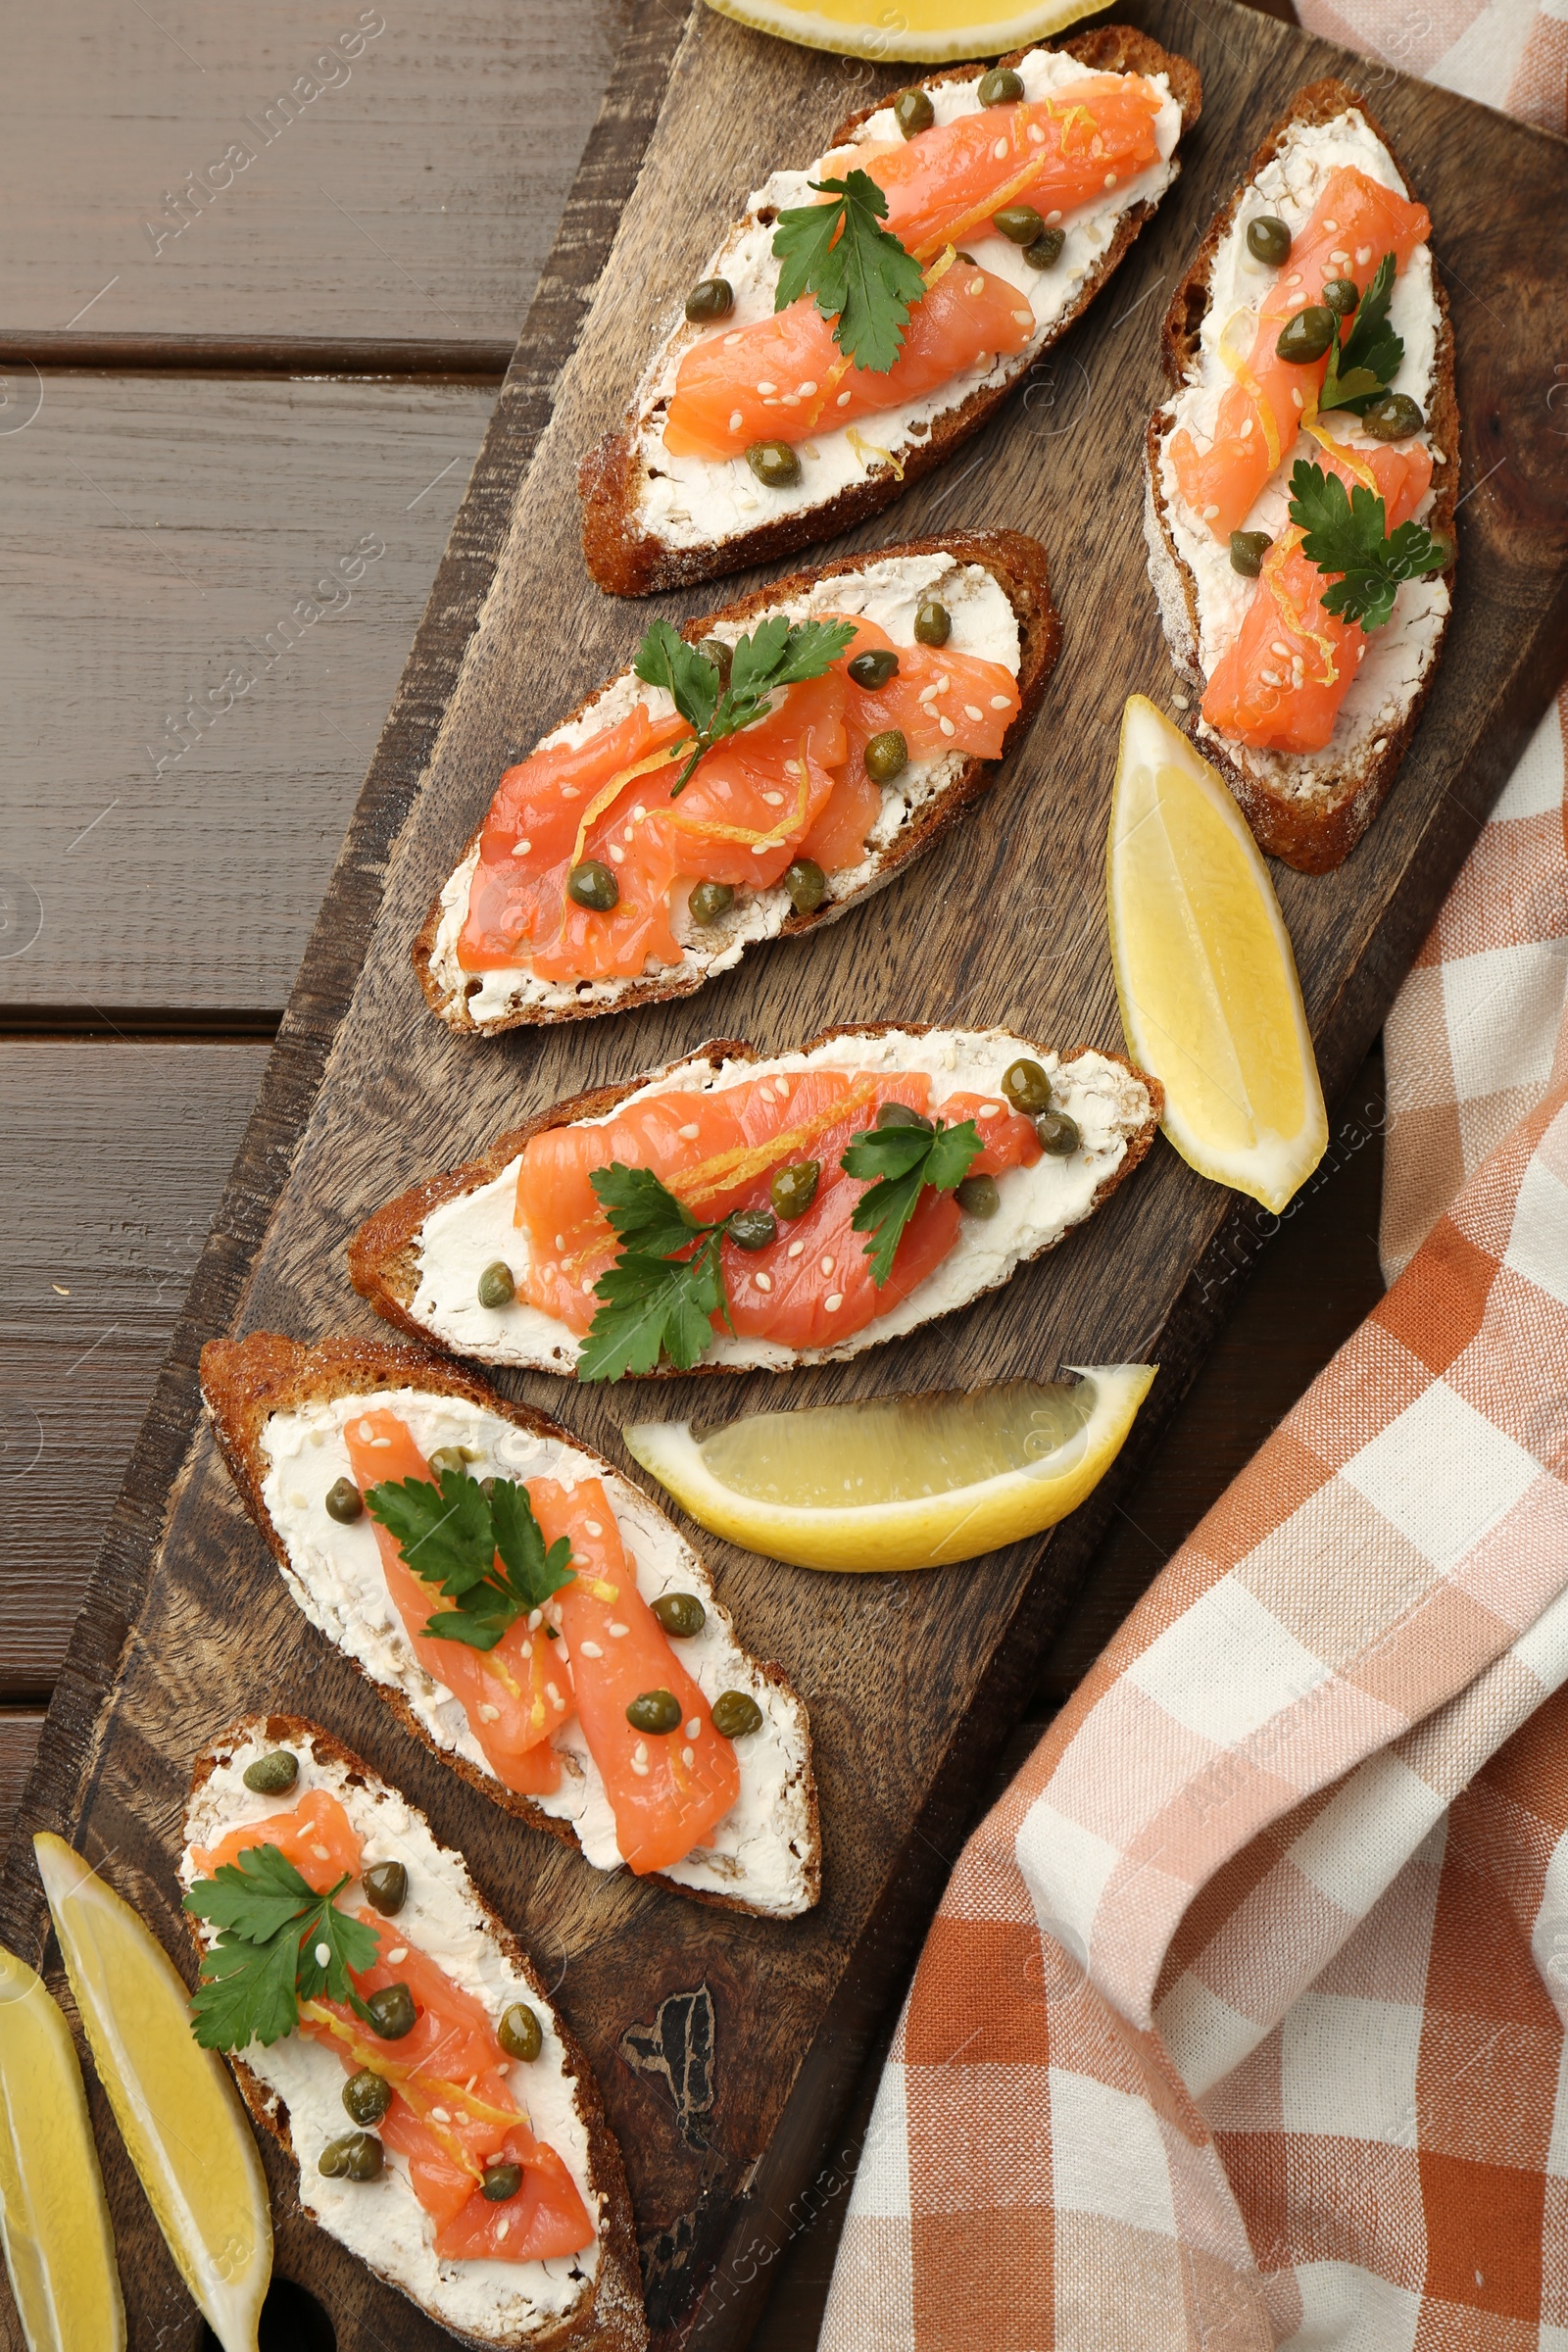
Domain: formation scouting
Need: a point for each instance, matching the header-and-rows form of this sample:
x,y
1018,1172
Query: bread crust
x,y
1018,565
612,2320
628,560
383,1259
1312,836
244,1382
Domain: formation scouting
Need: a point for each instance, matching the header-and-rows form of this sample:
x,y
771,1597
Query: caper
x,y
736,1714
1248,549
1026,1087
592,885
520,2034
710,900
344,1501
356,2156
1269,240
1307,335
774,465
1020,223
902,1115
709,298
500,2180
451,1460
933,624
1058,1135
1002,86
752,1228
495,1286
794,1188
805,885
978,1197
914,112
887,756
655,1711
392,2012
272,1775
1394,418
386,1887
873,669
1046,250
720,655
681,1614
1341,294
367,2097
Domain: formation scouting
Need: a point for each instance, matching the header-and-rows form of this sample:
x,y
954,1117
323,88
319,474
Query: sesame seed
x,y
988,1111
833,1302
526,1651
688,1755
1342,258
593,1527
1037,137
441,2115
1181,702
571,792
560,1241
520,849
618,856
627,832
587,1286
590,1649
1024,317
1380,743
395,1959
844,400
928,694
1000,702
1297,397
553,1694
774,799
789,399
488,1713
1247,426
796,1249
1110,179
764,1282
690,1133
640,1767
321,1854
1279,647
736,421
324,1954
694,1727
536,1618
759,849
730,341
1294,278
947,726
828,1265
1363,254
970,712
1268,677
1209,513
976,285
808,388
942,682
764,389
617,1630
501,2228
640,1751
1331,228
782,1085
1052,218
1000,149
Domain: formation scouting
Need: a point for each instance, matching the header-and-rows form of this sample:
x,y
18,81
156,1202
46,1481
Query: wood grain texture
x,y
182,526
1010,931
117,1157
19,1732
415,195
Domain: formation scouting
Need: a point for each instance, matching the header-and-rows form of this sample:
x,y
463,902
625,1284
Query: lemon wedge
x,y
899,1482
178,2113
923,31
54,2220
1209,996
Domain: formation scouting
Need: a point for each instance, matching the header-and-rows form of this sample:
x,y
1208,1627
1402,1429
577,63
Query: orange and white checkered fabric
x,y
1242,2020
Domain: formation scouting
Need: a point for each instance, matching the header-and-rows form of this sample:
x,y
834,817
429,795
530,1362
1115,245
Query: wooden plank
x,y
407,167
1011,932
19,1731
181,528
118,1156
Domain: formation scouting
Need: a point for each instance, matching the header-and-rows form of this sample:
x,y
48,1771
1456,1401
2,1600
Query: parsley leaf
x,y
782,653
450,1531
661,1293
858,271
1347,534
900,1162
1364,363
264,1961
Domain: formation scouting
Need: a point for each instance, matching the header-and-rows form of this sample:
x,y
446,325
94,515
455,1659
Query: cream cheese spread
x,y
887,592
701,501
761,1852
1399,654
1038,1205
382,2221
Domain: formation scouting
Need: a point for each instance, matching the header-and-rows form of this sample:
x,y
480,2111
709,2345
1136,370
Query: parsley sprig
x,y
1364,363
858,270
781,653
900,1162
266,1960
481,1546
1347,534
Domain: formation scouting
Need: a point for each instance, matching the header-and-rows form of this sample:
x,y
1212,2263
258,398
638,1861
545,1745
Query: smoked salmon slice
x,y
1354,222
793,783
784,378
717,1152
1280,685
316,1836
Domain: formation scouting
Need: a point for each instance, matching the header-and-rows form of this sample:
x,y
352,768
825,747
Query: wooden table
x,y
239,400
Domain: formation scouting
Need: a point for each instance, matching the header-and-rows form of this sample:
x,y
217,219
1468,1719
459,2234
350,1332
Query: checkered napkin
x,y
1242,2020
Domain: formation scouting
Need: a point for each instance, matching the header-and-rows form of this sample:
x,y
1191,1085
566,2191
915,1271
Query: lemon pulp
x,y
1209,996
923,31
54,2220
909,1482
178,2113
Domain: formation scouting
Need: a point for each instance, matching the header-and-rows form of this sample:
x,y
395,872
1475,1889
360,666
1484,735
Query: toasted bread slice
x,y
1307,808
278,1411
418,1259
996,586
589,2302
652,521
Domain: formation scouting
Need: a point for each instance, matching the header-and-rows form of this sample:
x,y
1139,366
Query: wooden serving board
x,y
749,2031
